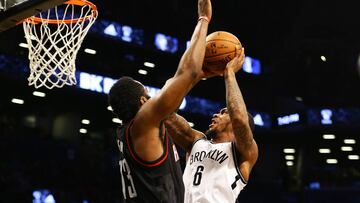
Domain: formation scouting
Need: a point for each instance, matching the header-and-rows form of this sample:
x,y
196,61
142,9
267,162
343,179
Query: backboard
x,y
14,11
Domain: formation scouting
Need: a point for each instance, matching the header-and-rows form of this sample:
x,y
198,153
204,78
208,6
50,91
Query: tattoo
x,y
237,110
234,98
180,130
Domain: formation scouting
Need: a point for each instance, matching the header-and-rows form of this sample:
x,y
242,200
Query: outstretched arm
x,y
236,107
145,130
180,130
188,73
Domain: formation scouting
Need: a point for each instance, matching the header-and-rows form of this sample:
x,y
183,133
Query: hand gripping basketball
x,y
221,47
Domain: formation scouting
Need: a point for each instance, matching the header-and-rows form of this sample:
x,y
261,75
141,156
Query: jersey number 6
x,y
198,175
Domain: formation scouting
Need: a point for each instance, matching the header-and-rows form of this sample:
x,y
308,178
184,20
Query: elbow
x,y
195,66
170,119
189,68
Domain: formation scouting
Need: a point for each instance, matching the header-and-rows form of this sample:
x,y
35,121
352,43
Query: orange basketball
x,y
221,47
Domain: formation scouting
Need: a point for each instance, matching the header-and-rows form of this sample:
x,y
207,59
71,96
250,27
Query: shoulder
x,y
200,140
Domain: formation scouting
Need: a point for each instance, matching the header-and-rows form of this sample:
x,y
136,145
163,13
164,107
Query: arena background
x,y
300,82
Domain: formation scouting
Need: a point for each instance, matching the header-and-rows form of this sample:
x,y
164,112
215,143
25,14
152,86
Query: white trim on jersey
x,y
241,177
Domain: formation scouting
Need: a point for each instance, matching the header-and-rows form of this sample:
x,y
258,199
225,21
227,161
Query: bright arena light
x,y
324,151
83,130
85,121
346,148
353,157
289,157
349,141
331,161
142,72
116,120
328,136
148,64
23,45
90,51
289,150
17,101
323,58
39,94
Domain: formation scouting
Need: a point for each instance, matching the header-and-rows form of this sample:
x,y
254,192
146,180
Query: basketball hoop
x,y
54,38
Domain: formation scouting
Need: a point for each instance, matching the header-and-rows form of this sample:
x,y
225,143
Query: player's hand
x,y
208,74
205,8
237,62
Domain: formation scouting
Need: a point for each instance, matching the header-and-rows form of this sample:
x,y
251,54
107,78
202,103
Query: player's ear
x,y
143,99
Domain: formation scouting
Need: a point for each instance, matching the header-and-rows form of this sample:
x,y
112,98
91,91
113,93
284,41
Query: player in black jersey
x,y
149,165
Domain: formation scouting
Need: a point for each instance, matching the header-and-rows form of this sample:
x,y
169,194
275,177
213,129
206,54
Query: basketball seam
x,y
221,54
223,40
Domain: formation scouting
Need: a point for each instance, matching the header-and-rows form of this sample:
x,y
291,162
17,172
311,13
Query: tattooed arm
x,y
244,141
180,130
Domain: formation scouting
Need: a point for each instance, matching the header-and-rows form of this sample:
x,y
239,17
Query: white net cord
x,y
53,47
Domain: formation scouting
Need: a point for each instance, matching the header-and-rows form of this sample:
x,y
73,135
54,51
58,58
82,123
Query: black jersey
x,y
159,181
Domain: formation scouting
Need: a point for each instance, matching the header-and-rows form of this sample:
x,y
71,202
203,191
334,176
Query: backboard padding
x,y
14,13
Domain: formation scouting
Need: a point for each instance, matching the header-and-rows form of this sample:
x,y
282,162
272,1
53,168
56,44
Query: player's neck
x,y
223,137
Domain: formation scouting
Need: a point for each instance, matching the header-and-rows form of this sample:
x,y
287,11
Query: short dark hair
x,y
124,98
211,133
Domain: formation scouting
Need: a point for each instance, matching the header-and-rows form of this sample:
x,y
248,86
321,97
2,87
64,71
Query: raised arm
x,y
236,107
145,130
180,130
188,74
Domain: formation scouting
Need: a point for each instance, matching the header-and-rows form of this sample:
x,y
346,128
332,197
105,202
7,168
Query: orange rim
x,y
36,20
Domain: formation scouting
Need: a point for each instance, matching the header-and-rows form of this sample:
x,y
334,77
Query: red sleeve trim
x,y
137,159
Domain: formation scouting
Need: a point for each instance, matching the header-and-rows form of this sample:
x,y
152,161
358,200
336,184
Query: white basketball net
x,y
53,47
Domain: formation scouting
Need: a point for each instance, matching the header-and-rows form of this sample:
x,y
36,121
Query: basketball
x,y
221,48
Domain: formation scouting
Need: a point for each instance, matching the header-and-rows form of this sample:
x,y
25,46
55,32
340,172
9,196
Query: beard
x,y
210,134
